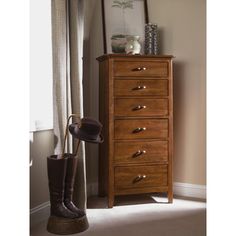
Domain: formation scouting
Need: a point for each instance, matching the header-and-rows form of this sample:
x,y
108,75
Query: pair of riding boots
x,y
61,178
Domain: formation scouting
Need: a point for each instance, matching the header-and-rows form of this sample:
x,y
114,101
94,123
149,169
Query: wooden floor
x,y
141,216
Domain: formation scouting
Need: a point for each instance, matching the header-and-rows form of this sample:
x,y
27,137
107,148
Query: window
x,y
41,105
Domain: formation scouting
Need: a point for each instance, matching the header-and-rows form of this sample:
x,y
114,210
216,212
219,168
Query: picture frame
x,y
121,18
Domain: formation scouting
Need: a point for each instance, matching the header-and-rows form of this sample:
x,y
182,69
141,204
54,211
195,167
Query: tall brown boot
x,y
69,184
56,179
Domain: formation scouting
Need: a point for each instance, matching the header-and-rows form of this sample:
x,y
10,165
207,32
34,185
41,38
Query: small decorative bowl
x,y
118,43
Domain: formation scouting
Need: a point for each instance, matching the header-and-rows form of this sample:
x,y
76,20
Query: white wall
x,y
93,49
41,146
182,26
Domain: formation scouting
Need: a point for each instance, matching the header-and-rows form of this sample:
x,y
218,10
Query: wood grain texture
x,y
141,87
136,152
128,57
128,177
137,107
103,109
110,137
154,128
136,110
141,68
171,146
155,189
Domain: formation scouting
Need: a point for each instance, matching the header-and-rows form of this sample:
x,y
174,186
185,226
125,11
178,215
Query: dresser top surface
x,y
118,55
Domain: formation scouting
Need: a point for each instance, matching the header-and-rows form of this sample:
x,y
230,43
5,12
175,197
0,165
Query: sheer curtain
x,y
67,48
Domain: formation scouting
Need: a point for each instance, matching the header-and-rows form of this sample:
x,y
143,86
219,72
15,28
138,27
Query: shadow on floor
x,y
96,202
141,216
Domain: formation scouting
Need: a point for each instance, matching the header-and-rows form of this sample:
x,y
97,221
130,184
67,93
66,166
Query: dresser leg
x,y
110,201
170,197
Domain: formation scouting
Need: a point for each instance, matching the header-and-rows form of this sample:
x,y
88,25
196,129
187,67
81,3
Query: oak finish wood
x,y
156,189
135,139
128,177
152,128
103,151
138,107
141,68
137,152
140,87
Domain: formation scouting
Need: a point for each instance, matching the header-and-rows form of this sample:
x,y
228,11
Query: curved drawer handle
x,y
140,87
140,68
139,107
139,178
139,153
139,129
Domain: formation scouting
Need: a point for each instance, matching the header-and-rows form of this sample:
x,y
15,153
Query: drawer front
x,y
129,177
141,129
141,107
138,152
142,87
141,68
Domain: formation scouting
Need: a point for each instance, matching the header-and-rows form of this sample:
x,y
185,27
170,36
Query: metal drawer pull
x,y
139,153
140,68
139,129
139,177
139,107
142,176
140,87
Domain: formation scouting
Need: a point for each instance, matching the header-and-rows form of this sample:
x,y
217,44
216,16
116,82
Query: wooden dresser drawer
x,y
135,152
141,107
129,177
141,87
135,109
142,128
140,68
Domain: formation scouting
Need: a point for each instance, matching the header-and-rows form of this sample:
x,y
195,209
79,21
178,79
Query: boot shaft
x,y
57,169
72,162
56,176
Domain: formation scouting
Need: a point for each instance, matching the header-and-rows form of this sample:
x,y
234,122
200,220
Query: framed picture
x,y
122,18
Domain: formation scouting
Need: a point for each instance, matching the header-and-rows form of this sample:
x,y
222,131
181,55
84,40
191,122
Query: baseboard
x,y
190,190
39,213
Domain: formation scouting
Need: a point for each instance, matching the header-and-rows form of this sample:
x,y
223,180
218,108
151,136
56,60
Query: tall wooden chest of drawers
x,y
136,110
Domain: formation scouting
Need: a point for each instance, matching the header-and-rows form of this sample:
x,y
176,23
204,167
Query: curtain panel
x,y
67,49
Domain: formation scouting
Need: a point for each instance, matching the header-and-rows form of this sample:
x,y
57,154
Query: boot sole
x,y
63,226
